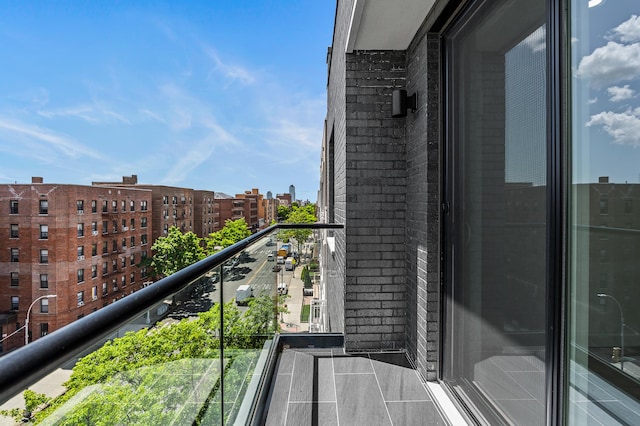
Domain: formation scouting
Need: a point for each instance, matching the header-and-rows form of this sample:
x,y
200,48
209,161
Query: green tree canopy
x,y
300,215
283,213
232,232
175,251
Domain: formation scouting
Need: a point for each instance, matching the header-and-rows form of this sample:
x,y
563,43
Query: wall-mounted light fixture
x,y
400,102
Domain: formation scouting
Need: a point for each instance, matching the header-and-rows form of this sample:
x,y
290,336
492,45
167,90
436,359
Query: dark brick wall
x,y
376,194
423,206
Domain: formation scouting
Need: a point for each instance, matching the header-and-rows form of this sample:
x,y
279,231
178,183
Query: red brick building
x,y
68,250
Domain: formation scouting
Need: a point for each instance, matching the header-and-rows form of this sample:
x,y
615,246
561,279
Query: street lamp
x,y
622,325
26,322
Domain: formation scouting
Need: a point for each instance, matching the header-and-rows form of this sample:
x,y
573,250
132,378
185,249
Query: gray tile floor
x,y
329,387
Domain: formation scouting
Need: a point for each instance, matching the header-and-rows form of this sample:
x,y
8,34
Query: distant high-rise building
x,y
292,192
269,195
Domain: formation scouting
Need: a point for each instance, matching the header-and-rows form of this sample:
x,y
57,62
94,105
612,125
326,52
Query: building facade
x,y
464,151
68,250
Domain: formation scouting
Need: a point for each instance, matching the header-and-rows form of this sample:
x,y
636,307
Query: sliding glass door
x,y
496,251
603,330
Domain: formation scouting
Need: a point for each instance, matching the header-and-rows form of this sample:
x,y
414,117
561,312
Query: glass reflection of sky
x,y
606,69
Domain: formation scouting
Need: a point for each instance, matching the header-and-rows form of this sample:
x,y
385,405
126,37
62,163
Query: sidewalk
x,y
290,322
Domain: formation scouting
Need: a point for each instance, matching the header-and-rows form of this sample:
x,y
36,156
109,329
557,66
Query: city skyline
x,y
224,97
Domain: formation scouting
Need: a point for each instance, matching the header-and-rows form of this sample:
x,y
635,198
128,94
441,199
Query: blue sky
x,y
218,95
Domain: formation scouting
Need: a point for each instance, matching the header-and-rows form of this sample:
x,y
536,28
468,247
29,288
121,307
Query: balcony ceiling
x,y
384,24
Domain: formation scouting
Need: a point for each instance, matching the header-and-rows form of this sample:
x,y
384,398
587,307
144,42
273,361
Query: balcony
x,y
278,374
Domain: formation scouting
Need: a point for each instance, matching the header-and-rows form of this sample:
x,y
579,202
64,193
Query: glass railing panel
x,y
193,356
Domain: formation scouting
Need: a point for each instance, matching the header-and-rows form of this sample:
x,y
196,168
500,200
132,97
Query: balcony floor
x,y
326,386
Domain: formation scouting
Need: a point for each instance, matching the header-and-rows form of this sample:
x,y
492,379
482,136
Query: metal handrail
x,y
28,364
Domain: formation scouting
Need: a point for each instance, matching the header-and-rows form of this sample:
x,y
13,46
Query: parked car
x,y
276,268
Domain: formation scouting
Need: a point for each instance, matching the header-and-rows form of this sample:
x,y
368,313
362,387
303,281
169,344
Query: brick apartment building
x,y
78,245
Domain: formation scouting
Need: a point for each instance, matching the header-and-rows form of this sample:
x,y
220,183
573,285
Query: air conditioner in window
x,y
80,303
94,297
125,228
81,257
80,211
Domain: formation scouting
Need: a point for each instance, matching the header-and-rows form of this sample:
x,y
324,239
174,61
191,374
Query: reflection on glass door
x,y
496,144
603,345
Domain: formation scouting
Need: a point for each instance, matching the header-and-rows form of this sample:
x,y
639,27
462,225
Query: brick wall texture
x,y
383,282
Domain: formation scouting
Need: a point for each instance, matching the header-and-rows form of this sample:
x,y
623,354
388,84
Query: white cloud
x,y
619,94
98,113
232,72
629,31
610,64
63,144
624,127
592,101
537,40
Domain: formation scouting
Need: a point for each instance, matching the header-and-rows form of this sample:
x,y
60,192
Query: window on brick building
x,y
15,255
13,232
104,289
132,205
143,205
105,206
105,226
15,279
94,206
44,232
132,277
44,256
124,224
94,271
94,249
94,228
44,328
123,261
94,292
80,298
123,205
143,239
133,223
115,226
114,245
80,275
124,243
132,242
123,279
44,207
80,206
132,260
15,303
80,251
114,206
81,230
44,280
105,271
44,306
114,265
165,199
13,207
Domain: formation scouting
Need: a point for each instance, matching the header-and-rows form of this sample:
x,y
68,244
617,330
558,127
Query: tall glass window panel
x,y
496,126
603,345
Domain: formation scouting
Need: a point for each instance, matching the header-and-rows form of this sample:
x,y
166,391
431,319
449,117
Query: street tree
x,y
175,251
301,215
232,232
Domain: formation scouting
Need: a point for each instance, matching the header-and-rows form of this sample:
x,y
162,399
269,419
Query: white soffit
x,y
385,24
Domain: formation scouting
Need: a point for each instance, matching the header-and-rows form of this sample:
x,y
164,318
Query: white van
x,y
283,288
289,264
270,257
244,293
